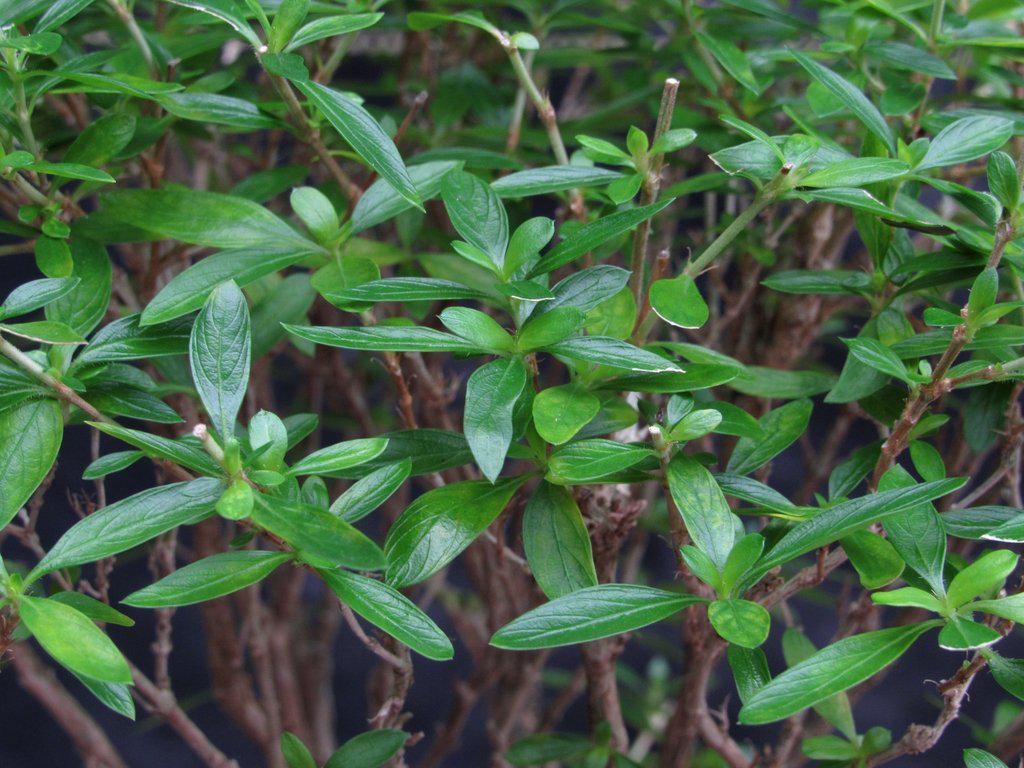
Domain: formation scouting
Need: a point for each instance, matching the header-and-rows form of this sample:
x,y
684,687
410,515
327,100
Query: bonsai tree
x,y
684,335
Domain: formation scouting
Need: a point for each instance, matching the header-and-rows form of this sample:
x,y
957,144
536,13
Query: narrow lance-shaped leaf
x,y
208,578
364,135
831,670
590,236
590,614
132,521
390,610
851,96
832,524
220,350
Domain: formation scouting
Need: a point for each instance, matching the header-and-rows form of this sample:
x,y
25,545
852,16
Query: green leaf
x,y
217,109
590,614
381,202
543,748
111,463
227,11
478,328
851,96
908,597
116,696
340,456
391,338
295,752
874,558
332,26
441,523
188,290
388,609
560,412
916,533
836,709
368,750
30,438
72,171
524,248
185,451
102,139
491,395
202,218
732,59
740,622
59,12
130,522
877,355
966,139
749,669
219,351
553,178
44,332
84,307
365,136
587,288
1009,673
409,289
834,523
368,493
73,640
207,579
979,758
780,428
322,539
556,542
702,505
678,301
596,233
982,577
549,328
856,172
962,634
93,608
831,670
1011,607
34,294
1003,181
588,461
477,213
604,350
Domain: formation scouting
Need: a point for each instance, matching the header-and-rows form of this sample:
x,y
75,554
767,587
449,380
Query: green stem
x,y
729,234
540,101
135,31
62,390
935,28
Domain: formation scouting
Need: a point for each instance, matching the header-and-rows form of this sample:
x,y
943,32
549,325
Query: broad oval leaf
x,y
556,542
220,352
30,437
438,525
73,640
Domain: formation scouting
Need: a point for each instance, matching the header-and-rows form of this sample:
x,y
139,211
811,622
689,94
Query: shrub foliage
x,y
633,325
